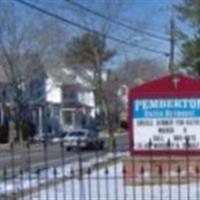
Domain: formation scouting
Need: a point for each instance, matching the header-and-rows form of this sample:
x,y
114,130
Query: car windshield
x,y
77,134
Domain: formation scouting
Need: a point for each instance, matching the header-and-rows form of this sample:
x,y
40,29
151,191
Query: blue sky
x,y
156,13
149,15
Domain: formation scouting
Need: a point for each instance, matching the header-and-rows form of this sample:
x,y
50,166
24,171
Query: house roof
x,y
60,76
67,77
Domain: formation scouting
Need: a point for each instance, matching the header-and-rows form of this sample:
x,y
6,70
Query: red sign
x,y
164,116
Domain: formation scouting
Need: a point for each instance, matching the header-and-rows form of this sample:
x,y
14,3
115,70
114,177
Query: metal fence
x,y
47,171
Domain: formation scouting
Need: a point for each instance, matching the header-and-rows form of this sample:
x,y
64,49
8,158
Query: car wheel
x,y
101,146
68,149
90,146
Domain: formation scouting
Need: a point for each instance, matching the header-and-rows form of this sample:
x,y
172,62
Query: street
x,y
39,158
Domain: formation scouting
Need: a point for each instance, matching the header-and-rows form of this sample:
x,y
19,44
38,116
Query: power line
x,y
119,23
80,26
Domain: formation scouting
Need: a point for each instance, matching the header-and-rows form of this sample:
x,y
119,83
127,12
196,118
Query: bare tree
x,y
110,101
133,72
142,68
89,52
92,52
25,44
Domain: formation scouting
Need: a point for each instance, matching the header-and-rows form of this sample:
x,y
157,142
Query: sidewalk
x,y
6,147
116,134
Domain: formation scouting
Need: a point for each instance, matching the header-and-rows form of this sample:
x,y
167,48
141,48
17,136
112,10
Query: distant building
x,y
56,100
123,101
69,102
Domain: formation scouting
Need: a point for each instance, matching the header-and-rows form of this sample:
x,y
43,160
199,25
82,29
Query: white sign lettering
x,y
157,121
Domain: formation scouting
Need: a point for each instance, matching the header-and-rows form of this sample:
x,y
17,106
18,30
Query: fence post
x,y
187,143
21,172
197,181
179,182
81,182
89,184
72,183
160,173
150,145
55,183
29,169
169,167
13,169
38,183
45,149
5,182
107,183
124,186
142,171
115,168
62,148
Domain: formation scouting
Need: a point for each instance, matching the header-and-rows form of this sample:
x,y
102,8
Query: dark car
x,y
83,139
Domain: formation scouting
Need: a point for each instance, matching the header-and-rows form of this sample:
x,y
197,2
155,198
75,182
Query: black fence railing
x,y
49,171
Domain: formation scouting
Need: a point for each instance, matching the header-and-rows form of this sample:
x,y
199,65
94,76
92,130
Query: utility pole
x,y
172,46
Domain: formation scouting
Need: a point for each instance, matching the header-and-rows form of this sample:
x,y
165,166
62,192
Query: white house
x,y
70,100
60,99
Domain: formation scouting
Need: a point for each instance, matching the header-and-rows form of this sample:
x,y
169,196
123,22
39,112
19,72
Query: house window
x,y
72,118
68,117
69,95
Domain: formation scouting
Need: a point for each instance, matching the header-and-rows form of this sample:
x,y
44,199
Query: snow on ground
x,y
97,186
26,181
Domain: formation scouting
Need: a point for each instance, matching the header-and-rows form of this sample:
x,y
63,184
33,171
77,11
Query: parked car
x,y
54,138
83,139
38,138
59,137
43,138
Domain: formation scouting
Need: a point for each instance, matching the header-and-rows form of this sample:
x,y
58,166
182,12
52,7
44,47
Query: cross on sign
x,y
176,81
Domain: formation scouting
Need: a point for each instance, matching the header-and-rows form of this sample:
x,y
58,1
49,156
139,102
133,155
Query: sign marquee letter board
x,y
161,111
